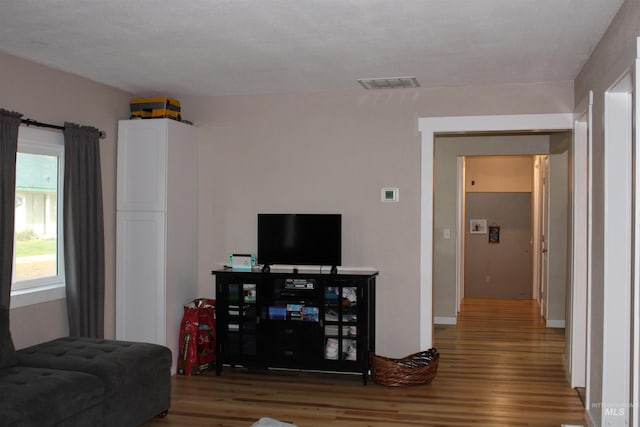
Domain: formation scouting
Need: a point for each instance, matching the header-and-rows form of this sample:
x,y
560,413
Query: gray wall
x,y
613,55
503,269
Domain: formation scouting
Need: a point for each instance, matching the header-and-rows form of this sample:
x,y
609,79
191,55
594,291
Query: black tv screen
x,y
300,239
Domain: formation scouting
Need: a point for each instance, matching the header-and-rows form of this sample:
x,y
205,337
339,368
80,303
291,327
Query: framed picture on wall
x,y
494,234
478,226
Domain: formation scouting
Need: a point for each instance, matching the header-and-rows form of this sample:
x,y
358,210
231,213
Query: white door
x,y
142,159
140,284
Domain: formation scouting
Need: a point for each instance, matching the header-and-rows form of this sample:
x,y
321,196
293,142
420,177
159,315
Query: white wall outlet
x,y
389,195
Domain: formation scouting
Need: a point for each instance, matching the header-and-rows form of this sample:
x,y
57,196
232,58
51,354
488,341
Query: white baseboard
x,y
440,320
555,323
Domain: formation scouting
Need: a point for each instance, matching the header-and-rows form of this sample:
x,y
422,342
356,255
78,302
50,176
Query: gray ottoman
x,y
49,397
136,376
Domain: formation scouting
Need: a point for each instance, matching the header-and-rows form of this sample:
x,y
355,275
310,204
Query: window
x,y
38,263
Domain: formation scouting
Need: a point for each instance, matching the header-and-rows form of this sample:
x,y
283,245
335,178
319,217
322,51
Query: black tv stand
x,y
266,268
304,321
334,269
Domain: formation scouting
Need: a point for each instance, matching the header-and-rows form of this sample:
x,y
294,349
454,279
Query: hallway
x,y
506,366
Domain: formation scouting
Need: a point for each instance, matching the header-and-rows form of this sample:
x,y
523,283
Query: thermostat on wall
x,y
389,194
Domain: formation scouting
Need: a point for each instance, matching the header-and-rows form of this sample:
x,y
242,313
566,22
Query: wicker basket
x,y
418,368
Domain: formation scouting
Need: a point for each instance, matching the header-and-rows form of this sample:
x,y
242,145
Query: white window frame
x,y
35,291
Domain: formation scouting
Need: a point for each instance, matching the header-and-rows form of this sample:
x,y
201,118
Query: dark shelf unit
x,y
304,320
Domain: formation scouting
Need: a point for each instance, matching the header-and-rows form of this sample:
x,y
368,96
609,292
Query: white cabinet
x,y
156,229
142,164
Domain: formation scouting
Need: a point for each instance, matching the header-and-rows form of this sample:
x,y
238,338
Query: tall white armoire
x,y
156,249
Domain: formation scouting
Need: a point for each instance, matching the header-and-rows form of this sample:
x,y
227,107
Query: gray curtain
x,y
9,123
83,231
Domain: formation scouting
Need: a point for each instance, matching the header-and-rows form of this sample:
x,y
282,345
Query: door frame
x,y
543,284
536,200
461,210
619,251
429,127
634,416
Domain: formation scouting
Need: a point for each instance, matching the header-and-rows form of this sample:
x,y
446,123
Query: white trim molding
x,y
440,320
555,324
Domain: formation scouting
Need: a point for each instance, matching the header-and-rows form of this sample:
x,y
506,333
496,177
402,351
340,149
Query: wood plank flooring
x,y
498,367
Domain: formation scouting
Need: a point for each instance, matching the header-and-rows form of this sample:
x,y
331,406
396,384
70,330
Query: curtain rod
x,y
30,122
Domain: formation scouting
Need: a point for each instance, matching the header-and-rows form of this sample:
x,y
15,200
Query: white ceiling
x,y
231,47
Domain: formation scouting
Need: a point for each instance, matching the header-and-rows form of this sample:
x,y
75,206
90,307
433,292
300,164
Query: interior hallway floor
x,y
504,360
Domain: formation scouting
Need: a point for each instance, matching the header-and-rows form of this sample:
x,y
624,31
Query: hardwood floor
x,y
498,367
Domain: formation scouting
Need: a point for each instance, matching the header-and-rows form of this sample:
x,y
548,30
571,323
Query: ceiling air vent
x,y
389,83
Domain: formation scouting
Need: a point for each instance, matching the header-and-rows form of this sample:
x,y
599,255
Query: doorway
x,y
519,190
449,153
429,127
580,249
498,257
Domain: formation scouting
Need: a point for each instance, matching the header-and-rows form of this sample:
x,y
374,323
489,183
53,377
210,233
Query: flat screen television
x,y
300,239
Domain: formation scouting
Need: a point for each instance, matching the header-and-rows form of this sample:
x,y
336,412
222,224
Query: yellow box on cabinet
x,y
154,108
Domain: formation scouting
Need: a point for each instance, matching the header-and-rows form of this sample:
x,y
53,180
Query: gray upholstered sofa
x,y
82,382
